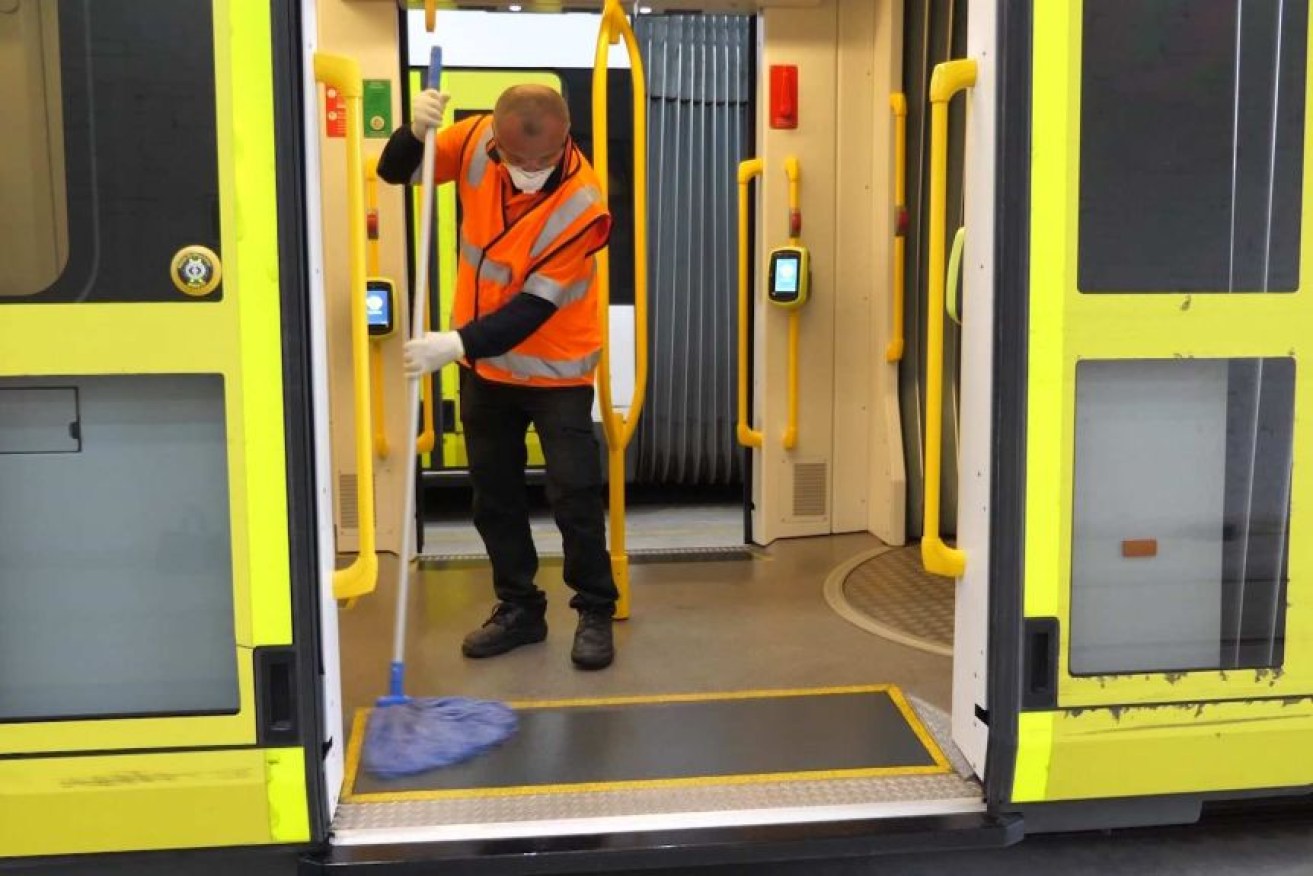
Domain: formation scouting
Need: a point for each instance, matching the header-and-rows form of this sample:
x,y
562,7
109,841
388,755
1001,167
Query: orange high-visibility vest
x,y
498,261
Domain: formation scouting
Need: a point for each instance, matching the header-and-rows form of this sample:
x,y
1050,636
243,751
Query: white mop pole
x,y
418,307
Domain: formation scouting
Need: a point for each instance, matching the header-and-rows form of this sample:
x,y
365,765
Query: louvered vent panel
x,y
347,488
810,489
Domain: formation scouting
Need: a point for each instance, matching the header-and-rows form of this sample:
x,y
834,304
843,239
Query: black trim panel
x,y
306,678
1008,464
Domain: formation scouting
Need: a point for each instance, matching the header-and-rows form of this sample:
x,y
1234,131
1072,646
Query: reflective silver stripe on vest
x,y
558,293
524,367
479,160
563,217
493,270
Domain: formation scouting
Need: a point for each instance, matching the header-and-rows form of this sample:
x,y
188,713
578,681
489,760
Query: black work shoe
x,y
593,648
509,627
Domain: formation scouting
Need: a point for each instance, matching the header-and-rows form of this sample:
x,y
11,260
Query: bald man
x,y
527,338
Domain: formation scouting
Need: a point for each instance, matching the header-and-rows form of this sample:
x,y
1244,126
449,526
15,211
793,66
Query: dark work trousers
x,y
496,417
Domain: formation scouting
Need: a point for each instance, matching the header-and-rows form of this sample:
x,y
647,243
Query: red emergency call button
x,y
783,96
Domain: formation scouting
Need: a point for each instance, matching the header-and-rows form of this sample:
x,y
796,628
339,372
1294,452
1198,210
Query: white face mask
x,y
529,180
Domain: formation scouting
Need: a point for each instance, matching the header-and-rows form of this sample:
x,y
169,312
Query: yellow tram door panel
x,y
1168,558
145,568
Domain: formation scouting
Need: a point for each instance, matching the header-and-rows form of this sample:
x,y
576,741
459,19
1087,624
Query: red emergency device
x,y
783,96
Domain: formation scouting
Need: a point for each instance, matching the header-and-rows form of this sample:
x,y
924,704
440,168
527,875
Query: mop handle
x,y
417,310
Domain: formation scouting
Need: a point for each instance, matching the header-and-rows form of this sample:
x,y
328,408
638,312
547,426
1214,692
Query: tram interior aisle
x,y
721,629
808,679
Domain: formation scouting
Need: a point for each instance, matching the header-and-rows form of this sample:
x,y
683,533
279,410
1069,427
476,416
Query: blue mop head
x,y
424,734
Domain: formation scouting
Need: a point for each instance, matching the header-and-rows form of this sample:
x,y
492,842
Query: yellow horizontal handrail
x,y
619,430
948,79
747,436
361,576
898,103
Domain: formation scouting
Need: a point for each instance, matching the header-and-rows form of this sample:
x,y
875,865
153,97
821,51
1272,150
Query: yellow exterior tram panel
x,y
238,337
1168,749
80,805
1150,733
1067,327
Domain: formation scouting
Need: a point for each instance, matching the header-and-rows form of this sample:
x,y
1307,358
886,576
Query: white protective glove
x,y
434,351
426,112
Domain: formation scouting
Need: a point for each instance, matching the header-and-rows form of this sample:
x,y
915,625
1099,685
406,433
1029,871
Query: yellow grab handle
x,y
747,436
954,268
619,430
377,397
791,430
428,438
430,15
361,576
948,79
898,103
791,170
615,25
793,174
371,209
343,74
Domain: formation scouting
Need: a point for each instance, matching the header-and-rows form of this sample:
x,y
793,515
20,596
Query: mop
x,y
408,735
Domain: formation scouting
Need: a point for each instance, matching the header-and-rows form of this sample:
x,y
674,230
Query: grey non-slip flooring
x,y
647,528
751,624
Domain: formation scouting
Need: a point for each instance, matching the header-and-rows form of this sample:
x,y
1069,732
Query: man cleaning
x,y
528,340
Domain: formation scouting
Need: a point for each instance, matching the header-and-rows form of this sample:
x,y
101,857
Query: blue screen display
x,y
378,307
786,274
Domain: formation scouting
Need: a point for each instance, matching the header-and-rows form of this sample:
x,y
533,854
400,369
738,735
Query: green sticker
x,y
378,108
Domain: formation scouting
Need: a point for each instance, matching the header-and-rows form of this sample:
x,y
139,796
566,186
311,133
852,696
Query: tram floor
x,y
704,631
759,621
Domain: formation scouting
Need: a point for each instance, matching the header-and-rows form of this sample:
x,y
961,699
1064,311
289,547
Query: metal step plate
x,y
939,785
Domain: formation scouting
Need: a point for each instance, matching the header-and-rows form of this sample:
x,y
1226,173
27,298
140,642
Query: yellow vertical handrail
x,y
377,398
898,104
791,429
954,269
747,436
361,576
792,172
948,79
376,393
617,429
428,437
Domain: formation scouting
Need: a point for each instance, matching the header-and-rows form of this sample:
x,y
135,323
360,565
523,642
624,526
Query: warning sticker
x,y
334,113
